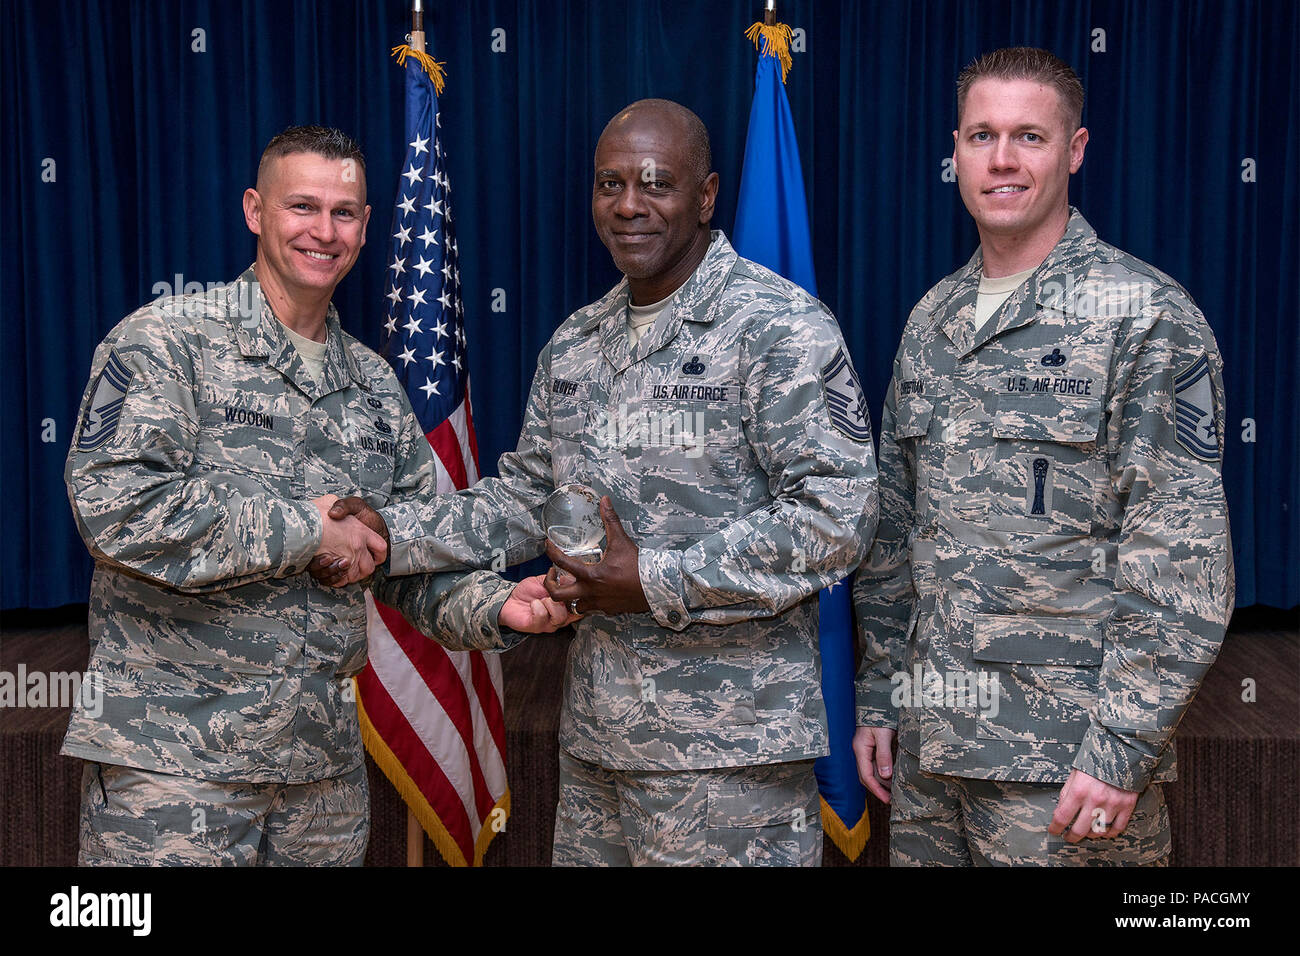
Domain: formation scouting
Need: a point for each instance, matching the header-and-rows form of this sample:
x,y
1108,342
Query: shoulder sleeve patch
x,y
1194,410
105,408
844,399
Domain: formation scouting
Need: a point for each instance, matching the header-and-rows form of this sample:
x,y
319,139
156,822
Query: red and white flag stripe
x,y
455,449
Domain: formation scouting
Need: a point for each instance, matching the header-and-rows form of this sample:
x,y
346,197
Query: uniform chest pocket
x,y
569,430
569,417
1046,465
911,423
374,453
242,437
693,428
912,419
692,458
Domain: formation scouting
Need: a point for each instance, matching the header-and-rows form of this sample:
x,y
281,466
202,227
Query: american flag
x,y
432,718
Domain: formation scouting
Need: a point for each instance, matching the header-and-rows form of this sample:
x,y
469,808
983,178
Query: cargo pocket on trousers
x,y
115,839
1146,841
746,827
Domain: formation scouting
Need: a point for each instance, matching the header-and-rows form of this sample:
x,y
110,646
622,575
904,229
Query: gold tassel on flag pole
x,y
775,38
415,48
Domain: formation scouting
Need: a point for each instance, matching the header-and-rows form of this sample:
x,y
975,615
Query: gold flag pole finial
x,y
775,38
437,72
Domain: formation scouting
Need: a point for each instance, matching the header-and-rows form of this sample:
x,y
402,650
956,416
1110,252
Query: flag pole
x,y
769,13
417,25
415,832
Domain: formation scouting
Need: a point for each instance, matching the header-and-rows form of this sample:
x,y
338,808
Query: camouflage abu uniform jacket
x,y
202,442
1052,523
734,444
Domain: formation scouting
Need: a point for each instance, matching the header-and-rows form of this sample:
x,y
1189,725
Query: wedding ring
x,y
573,606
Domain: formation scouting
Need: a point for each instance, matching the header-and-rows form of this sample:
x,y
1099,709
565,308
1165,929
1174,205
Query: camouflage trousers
x,y
939,820
134,817
767,815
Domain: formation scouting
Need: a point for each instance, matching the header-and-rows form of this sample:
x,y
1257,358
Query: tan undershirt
x,y
311,353
993,292
641,317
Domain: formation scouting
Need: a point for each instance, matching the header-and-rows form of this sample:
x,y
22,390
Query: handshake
x,y
354,542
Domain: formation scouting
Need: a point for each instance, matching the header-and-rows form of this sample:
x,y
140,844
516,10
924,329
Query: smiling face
x,y
649,205
309,215
1013,156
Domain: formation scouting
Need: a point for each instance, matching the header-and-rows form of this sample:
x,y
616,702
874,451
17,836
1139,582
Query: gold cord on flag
x,y
429,64
776,42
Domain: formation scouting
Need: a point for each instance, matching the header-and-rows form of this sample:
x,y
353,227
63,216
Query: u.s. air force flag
x,y
772,229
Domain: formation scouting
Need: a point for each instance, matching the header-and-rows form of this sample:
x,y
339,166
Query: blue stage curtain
x,y
153,141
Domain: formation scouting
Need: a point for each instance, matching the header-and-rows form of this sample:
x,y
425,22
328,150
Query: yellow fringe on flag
x,y
430,65
776,42
410,793
851,842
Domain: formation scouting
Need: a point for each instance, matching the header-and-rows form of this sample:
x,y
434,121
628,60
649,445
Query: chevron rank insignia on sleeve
x,y
844,398
1194,410
105,407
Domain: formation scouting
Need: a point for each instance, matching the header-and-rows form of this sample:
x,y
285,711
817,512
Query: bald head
x,y
675,122
652,196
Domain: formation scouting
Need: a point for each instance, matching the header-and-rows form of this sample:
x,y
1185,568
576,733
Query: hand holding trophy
x,y
595,561
571,518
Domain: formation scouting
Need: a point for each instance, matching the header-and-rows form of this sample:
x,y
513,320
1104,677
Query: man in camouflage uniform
x,y
212,435
1052,575
714,405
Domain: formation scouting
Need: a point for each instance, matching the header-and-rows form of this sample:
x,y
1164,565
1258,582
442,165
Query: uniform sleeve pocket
x,y
1130,696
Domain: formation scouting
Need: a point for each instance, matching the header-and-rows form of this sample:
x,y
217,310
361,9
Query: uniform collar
x,y
697,300
954,311
260,334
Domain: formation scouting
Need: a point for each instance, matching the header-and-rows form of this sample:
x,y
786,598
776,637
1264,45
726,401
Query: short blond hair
x,y
321,140
1027,63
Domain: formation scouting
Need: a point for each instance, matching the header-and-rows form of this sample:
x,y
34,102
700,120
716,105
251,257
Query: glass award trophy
x,y
571,518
